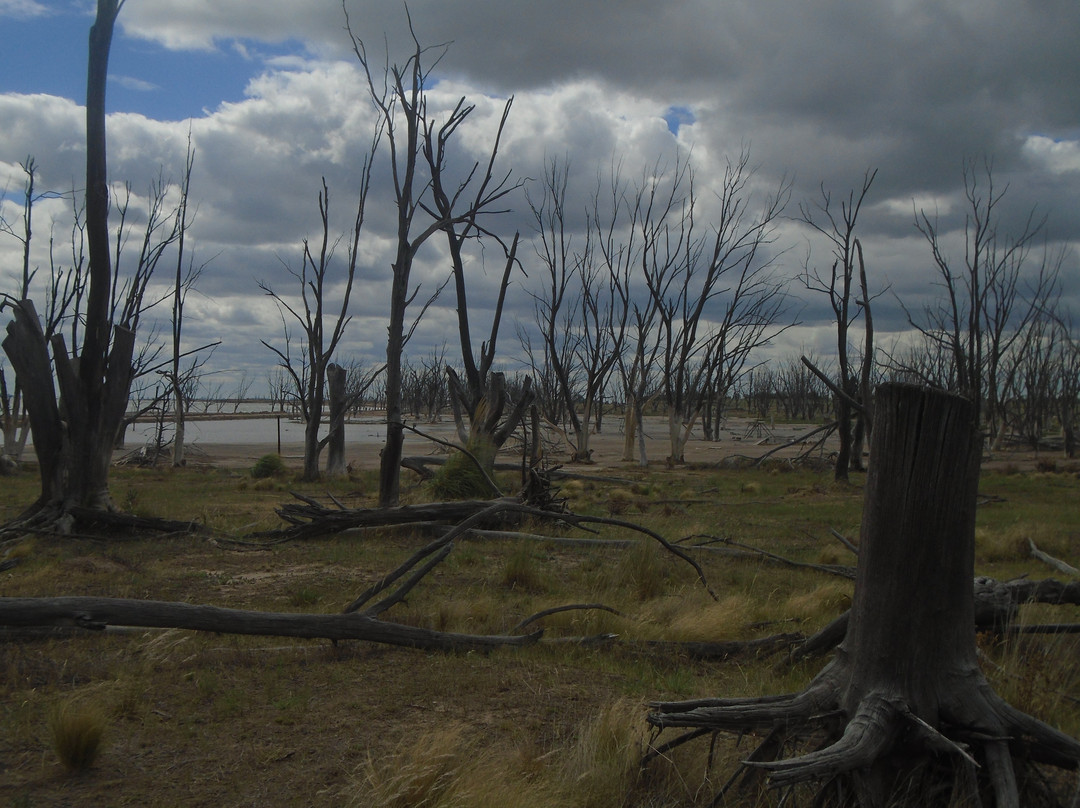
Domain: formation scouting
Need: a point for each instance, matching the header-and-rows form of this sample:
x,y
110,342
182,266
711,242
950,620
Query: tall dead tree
x,y
716,298
74,441
478,395
182,381
582,306
904,706
323,330
400,98
848,298
990,295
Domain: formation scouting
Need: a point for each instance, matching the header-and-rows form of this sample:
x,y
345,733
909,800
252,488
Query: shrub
x,y
269,465
76,730
460,478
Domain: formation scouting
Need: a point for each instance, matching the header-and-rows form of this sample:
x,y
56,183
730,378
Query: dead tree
x,y
323,331
74,429
479,394
904,691
991,296
838,285
400,100
717,300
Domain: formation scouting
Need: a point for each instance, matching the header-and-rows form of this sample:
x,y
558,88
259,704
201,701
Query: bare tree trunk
x,y
390,458
335,445
178,427
905,684
629,431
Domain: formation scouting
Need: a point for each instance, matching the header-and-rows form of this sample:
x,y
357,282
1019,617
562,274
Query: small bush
x,y
76,730
269,465
460,478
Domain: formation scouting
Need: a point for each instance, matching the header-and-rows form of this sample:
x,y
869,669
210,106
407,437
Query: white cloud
x,y
131,83
23,9
593,85
1058,156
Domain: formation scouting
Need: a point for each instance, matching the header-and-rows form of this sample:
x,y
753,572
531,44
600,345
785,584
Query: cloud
x,y
131,83
23,9
818,91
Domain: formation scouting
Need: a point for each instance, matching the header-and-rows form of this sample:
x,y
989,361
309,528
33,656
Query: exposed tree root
x,y
92,523
976,730
904,693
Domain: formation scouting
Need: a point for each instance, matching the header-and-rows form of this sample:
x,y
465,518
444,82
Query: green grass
x,y
196,718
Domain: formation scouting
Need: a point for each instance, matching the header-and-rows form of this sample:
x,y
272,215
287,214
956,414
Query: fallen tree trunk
x,y
308,518
99,613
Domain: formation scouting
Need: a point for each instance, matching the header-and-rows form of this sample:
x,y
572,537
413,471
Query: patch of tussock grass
x,y
76,730
1012,543
444,768
827,600
709,621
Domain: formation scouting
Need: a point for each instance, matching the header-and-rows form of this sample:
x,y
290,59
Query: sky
x,y
818,91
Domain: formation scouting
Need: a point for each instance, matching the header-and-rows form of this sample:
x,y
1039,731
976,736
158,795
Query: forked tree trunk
x,y
905,687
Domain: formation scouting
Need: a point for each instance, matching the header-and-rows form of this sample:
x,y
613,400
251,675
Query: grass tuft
x,y
76,729
520,571
442,768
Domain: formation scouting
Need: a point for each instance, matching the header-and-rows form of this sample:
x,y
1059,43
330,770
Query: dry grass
x,y
76,729
203,719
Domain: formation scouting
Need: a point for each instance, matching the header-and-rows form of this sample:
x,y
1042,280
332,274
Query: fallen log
x,y
308,519
99,613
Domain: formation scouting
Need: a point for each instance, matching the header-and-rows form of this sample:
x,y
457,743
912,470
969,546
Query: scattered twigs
x,y
579,520
826,428
659,751
313,520
310,520
831,569
398,595
854,403
384,583
416,463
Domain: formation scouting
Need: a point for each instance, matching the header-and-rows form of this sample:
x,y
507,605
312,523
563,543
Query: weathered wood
x,y
1049,560
97,613
311,519
905,684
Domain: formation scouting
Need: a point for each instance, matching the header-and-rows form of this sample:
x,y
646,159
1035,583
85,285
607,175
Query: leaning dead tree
x,y
904,709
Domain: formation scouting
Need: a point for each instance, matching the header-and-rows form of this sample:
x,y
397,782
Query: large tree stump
x,y
905,688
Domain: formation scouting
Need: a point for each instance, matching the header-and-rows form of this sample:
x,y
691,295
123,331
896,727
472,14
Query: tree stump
x,y
904,693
